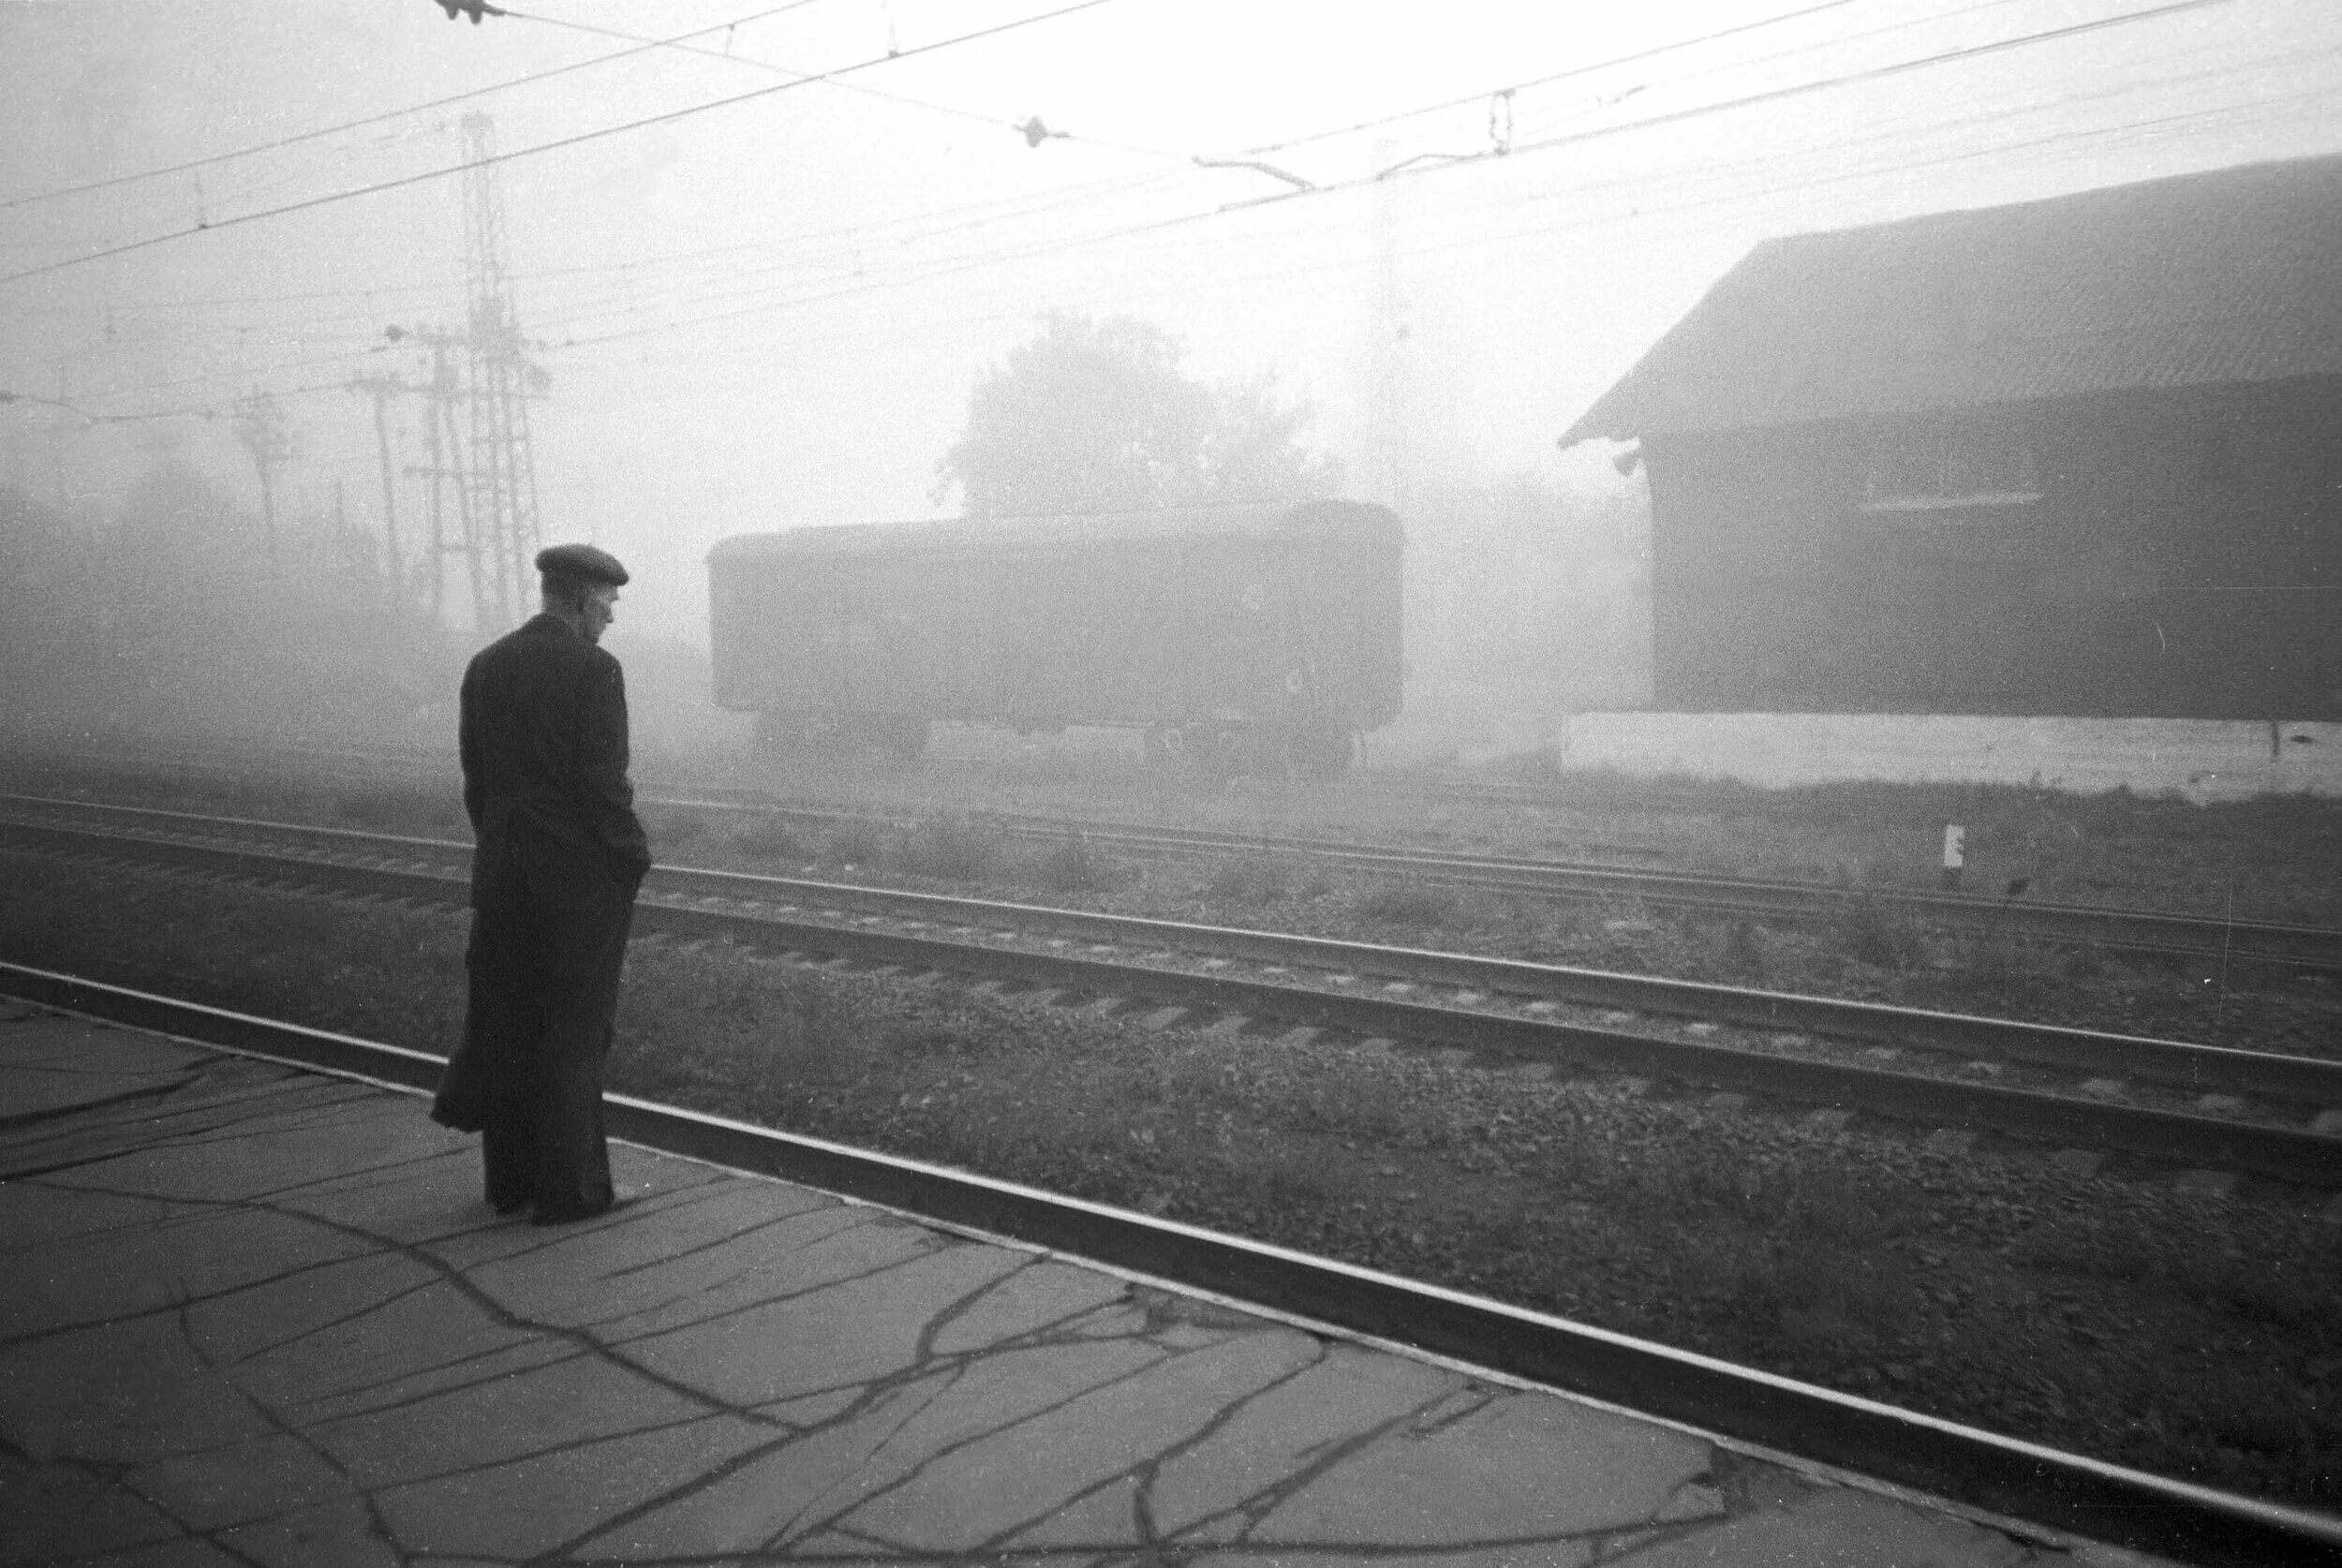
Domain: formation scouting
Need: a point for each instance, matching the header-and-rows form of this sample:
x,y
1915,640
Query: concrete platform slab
x,y
258,1316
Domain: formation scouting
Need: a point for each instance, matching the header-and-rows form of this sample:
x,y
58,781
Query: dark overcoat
x,y
558,856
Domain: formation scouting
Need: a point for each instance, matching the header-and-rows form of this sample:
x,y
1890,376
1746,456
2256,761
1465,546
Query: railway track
x,y
2010,1479
2224,943
2169,1102
2230,942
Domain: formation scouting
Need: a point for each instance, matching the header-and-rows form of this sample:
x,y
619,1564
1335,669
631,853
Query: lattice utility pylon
x,y
502,472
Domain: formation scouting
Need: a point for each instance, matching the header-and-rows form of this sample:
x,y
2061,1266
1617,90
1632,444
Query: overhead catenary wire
x,y
1577,137
606,278
874,230
997,120
557,144
1690,112
1676,45
1737,67
1644,207
641,45
1642,211
1574,71
1508,93
1645,213
1031,251
299,138
1043,248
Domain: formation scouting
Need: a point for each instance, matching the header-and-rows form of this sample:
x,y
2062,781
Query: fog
x,y
771,314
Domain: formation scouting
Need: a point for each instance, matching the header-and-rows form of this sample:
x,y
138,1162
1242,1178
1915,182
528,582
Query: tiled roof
x,y
2230,275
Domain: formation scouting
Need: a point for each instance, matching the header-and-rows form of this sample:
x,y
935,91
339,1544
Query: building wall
x,y
2152,555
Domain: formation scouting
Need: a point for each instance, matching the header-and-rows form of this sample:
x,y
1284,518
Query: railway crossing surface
x,y
255,1314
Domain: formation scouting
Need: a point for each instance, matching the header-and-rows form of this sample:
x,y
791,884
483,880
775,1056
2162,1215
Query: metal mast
x,y
1388,436
500,476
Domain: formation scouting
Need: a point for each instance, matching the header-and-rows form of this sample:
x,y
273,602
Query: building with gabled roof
x,y
2076,456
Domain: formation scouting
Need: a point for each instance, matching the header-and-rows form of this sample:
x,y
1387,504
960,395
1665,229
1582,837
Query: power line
x,y
893,325
1644,208
1046,248
1642,211
1839,41
994,120
798,261
1546,80
87,418
1875,73
1041,201
995,258
324,326
855,230
1669,118
323,131
581,138
1769,95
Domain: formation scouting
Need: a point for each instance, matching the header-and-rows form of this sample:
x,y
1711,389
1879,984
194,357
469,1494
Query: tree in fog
x,y
1097,415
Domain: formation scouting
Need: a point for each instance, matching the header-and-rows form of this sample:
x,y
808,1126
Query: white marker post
x,y
1955,843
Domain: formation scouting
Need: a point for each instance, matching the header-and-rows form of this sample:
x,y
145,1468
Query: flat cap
x,y
581,560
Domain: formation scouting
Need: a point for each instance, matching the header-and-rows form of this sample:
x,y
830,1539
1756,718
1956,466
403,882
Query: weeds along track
x,y
2014,1482
2230,943
2166,1103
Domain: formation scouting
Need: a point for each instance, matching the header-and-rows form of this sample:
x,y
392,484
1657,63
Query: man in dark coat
x,y
557,857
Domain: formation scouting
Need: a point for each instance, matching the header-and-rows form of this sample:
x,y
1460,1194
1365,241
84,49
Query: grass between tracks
x,y
2173,1331
1872,952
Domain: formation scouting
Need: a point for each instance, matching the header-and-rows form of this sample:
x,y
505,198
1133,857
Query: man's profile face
x,y
602,608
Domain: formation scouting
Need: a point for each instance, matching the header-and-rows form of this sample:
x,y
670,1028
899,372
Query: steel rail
x,y
2220,940
2236,941
2288,1154
2179,1065
2002,1475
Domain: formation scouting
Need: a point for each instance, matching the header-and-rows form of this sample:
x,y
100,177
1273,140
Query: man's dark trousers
x,y
544,959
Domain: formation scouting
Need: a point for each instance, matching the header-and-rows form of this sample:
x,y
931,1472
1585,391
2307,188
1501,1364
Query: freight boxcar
x,y
1240,639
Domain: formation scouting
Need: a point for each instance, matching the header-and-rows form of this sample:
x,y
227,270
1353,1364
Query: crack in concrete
x,y
207,1214
887,1454
779,1299
928,1377
487,1304
711,1245
567,1445
1142,1501
1318,1461
918,1471
377,1527
426,1396
147,1137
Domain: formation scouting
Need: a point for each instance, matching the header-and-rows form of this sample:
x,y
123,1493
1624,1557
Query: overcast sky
x,y
769,312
